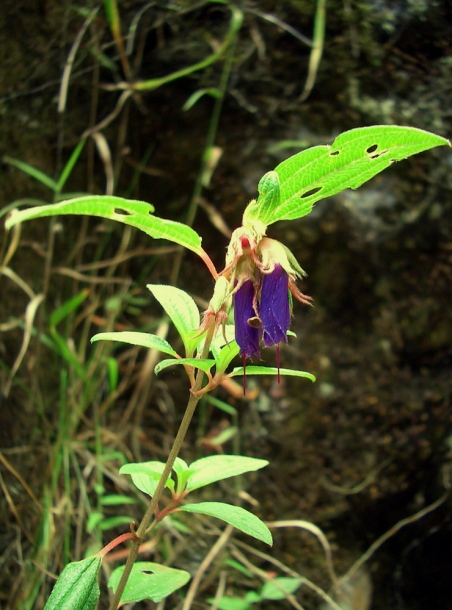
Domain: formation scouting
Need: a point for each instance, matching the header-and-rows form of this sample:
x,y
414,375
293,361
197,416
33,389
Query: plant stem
x,y
175,449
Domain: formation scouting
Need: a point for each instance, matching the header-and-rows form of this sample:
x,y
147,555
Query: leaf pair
x,y
77,586
200,473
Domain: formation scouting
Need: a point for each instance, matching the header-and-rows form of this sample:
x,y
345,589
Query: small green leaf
x,y
146,475
149,580
182,472
200,363
76,587
230,603
37,174
182,310
218,467
236,516
354,157
135,338
226,356
67,170
116,500
118,521
270,370
197,95
272,589
138,214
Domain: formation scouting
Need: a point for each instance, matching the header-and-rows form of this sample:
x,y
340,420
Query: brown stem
x,y
149,514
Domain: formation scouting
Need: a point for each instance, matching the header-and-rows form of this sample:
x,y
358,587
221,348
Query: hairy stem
x,y
146,522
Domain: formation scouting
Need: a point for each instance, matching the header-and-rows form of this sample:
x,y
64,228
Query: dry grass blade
x,y
317,49
206,562
264,576
104,153
30,313
70,61
317,532
393,530
269,558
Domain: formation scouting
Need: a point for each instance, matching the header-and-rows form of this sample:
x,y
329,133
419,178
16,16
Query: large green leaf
x,y
236,516
76,587
218,467
138,214
321,171
148,580
182,310
135,338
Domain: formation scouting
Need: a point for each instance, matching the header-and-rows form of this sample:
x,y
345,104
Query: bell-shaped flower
x,y
247,331
274,306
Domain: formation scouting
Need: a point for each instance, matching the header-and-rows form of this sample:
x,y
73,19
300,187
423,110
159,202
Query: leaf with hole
x,y
269,370
138,214
149,580
322,171
236,516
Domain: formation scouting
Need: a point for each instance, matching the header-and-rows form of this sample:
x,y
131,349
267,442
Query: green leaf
x,y
354,157
116,500
226,355
200,363
272,589
183,472
37,174
230,603
135,338
218,467
118,521
270,370
182,310
76,588
138,214
234,515
197,95
149,580
67,170
146,475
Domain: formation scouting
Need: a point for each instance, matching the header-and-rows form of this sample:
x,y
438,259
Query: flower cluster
x,y
261,275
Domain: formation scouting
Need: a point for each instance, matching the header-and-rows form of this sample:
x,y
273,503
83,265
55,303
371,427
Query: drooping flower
x,y
259,278
274,306
265,274
247,331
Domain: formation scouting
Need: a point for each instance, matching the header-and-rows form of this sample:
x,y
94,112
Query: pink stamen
x,y
278,363
244,374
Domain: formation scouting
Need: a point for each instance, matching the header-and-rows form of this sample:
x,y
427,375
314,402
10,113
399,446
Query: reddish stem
x,y
114,543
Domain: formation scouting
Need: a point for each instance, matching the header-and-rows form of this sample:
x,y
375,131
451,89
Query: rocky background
x,y
367,446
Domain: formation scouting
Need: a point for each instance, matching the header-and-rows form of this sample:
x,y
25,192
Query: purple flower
x,y
246,335
274,306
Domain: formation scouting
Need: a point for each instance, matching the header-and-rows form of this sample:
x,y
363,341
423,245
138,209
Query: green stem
x,y
175,449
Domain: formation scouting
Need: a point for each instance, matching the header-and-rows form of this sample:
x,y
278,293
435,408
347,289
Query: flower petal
x,y
247,336
274,308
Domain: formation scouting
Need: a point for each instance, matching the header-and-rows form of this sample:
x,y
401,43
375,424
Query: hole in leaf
x,y
371,149
311,192
334,153
122,212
